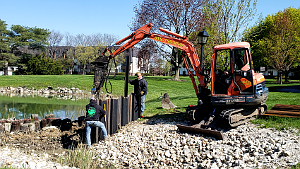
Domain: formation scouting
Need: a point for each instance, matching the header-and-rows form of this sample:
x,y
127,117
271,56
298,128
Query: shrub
x,y
120,73
39,65
147,74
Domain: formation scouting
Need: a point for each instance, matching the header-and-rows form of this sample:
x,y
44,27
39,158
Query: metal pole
x,y
126,75
201,61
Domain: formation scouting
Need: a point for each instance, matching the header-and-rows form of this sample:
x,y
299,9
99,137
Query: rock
x,y
166,102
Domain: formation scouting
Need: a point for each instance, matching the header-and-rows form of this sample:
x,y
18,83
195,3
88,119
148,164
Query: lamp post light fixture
x,y
202,39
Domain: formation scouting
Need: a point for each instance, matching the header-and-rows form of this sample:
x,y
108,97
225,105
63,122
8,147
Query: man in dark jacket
x,y
94,113
140,91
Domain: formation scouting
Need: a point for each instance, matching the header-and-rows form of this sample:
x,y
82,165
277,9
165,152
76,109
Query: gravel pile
x,y
16,159
158,144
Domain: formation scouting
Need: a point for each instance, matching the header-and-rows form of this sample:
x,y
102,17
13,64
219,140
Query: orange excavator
x,y
236,95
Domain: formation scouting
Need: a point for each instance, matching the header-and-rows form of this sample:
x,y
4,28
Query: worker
x,y
94,113
140,91
224,77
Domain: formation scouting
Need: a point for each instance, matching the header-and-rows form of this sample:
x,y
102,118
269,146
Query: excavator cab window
x,y
241,61
223,72
242,73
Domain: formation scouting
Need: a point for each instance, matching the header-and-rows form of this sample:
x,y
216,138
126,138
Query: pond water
x,y
21,107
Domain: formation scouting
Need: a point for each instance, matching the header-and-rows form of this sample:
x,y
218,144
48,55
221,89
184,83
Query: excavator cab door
x,y
242,72
233,74
221,71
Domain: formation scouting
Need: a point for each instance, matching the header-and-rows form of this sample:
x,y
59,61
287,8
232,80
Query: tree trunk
x,y
84,66
5,69
177,67
280,78
286,80
177,72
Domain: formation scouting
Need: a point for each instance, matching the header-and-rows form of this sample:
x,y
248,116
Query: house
x,y
11,69
272,72
136,64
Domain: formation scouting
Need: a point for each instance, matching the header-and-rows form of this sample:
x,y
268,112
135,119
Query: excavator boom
x,y
177,41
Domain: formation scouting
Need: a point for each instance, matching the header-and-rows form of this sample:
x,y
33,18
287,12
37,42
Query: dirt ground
x,y
49,139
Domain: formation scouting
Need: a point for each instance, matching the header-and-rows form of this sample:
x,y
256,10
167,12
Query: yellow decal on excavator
x,y
171,42
105,110
245,82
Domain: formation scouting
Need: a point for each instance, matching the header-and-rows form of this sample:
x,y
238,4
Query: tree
x,y
67,65
88,47
54,39
145,53
230,17
166,67
224,21
26,42
33,38
159,65
283,43
85,55
6,57
180,16
279,40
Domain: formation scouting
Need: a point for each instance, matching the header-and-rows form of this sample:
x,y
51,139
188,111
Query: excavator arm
x,y
174,40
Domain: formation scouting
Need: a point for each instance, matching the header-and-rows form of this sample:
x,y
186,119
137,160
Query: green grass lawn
x,y
276,97
181,93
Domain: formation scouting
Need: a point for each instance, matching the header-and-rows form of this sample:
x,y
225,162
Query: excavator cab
x,y
233,79
233,72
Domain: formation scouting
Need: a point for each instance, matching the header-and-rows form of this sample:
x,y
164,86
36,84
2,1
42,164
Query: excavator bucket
x,y
196,130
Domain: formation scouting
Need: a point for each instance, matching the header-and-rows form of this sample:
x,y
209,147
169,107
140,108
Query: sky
x,y
93,16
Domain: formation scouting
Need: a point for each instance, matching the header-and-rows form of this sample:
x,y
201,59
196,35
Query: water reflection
x,y
23,107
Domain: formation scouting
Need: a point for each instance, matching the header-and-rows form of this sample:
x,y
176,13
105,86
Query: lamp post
x,y
202,38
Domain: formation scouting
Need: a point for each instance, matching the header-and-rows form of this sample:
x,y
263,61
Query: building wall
x,y
11,69
134,68
183,71
273,72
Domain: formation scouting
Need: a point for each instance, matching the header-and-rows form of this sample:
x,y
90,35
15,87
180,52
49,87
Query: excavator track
x,y
226,118
236,117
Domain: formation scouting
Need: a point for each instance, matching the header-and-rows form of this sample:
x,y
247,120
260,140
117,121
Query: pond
x,y
21,107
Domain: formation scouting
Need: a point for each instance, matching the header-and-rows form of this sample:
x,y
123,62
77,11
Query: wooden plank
x,y
280,115
283,106
283,112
